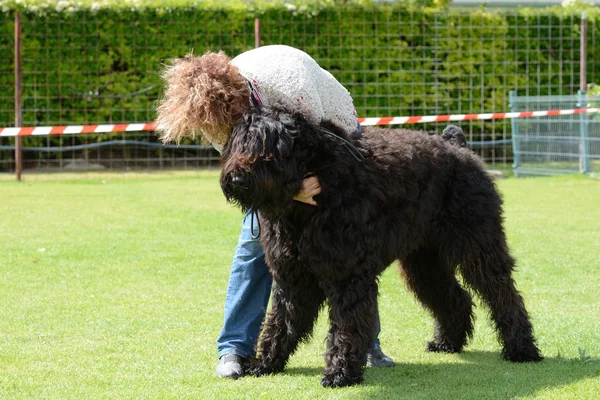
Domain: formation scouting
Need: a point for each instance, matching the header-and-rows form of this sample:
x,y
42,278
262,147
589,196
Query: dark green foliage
x,y
102,66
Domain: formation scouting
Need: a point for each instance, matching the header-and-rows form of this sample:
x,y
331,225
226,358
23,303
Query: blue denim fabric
x,y
247,296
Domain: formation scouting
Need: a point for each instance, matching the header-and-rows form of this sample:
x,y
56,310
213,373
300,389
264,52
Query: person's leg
x,y
246,302
376,342
375,356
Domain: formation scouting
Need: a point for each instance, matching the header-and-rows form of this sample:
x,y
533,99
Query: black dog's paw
x,y
436,347
529,354
340,380
258,367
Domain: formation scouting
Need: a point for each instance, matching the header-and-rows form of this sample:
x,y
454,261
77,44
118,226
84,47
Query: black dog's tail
x,y
454,135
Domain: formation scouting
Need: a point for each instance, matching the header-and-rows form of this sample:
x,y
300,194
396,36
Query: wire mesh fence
x,y
561,144
81,71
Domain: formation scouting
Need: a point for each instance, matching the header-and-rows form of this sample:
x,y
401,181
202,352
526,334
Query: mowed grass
x,y
112,286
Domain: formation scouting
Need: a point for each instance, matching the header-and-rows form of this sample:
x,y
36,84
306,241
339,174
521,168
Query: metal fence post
x,y
583,53
512,96
584,151
18,97
257,32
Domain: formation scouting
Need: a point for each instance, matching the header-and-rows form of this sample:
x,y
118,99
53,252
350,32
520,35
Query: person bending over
x,y
205,96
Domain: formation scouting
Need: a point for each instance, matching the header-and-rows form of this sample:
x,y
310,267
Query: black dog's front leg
x,y
353,315
291,320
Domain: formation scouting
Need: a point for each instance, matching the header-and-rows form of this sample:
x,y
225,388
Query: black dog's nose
x,y
238,179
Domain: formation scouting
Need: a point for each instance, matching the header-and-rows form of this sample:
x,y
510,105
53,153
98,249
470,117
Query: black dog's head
x,y
265,160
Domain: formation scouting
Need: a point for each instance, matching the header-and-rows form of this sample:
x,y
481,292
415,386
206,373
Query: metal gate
x,y
560,144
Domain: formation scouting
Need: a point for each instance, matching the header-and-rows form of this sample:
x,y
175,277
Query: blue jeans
x,y
247,296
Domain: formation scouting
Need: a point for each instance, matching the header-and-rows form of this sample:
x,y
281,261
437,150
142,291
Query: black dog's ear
x,y
237,132
263,133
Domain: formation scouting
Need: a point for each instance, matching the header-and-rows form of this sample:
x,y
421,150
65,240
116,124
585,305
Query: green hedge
x,y
83,62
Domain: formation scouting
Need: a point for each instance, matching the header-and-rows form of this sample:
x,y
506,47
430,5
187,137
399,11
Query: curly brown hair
x,y
204,96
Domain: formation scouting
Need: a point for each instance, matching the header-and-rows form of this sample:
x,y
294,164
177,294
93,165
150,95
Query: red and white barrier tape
x,y
77,129
470,117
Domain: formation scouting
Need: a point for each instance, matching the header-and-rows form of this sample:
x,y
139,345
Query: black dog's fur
x,y
396,194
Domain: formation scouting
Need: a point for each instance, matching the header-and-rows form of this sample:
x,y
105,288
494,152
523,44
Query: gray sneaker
x,y
376,358
230,366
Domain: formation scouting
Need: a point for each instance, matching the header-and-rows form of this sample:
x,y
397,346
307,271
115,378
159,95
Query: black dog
x,y
390,195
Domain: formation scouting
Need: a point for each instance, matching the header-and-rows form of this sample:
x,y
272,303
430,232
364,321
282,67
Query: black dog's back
x,y
423,180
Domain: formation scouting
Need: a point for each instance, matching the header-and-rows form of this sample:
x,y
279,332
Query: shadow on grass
x,y
480,375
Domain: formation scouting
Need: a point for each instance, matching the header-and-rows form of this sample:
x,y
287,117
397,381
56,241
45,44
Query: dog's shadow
x,y
478,375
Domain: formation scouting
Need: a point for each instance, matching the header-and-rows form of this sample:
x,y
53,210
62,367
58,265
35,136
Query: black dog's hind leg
x,y
295,308
353,318
488,270
438,290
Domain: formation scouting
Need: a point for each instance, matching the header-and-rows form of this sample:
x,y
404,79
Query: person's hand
x,y
310,187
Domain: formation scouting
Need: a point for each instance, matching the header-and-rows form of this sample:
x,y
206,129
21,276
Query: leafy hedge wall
x,y
99,62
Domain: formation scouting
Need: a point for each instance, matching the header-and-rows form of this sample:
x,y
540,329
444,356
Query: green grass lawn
x,y
112,286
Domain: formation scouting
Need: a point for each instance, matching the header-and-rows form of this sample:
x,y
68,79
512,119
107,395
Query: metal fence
x,y
69,96
561,144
